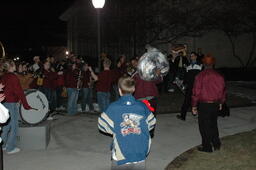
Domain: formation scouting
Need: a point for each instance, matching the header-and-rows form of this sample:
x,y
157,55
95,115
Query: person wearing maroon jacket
x,y
71,83
13,95
87,89
103,86
49,78
208,96
147,90
60,83
116,73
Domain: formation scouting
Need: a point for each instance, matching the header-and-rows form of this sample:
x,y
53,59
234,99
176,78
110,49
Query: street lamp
x,y
98,4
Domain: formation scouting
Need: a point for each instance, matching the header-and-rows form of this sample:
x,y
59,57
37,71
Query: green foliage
x,y
238,152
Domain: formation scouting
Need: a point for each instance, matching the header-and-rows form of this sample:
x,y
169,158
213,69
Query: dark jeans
x,y
59,98
208,125
186,103
87,98
153,103
54,100
1,158
115,92
103,99
180,73
49,95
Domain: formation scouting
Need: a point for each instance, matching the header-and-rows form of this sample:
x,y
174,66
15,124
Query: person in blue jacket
x,y
129,121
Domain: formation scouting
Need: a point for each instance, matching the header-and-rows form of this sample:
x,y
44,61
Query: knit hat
x,y
208,60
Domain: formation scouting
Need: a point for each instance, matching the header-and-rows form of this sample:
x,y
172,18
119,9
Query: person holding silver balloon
x,y
151,68
147,90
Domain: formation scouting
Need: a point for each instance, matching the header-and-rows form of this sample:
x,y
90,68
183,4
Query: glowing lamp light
x,y
67,53
98,3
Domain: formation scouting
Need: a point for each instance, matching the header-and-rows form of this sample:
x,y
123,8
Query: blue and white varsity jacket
x,y
129,121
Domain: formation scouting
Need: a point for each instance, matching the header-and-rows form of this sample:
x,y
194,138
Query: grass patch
x,y
238,152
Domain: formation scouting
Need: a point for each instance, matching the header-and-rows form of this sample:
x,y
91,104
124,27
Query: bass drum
x,y
38,101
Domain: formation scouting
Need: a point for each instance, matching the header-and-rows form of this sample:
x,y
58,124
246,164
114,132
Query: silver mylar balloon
x,y
150,62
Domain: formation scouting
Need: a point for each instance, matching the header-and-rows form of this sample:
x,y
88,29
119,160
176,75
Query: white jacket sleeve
x,y
4,114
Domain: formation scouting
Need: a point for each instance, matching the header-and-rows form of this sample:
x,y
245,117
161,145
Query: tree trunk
x,y
251,59
234,49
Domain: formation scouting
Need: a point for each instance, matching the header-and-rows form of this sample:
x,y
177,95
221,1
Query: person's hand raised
x,y
90,69
2,97
1,87
194,111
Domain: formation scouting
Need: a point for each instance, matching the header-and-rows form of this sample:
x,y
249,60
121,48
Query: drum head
x,y
36,100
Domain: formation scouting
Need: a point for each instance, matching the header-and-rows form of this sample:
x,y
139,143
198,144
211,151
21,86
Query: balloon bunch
x,y
152,65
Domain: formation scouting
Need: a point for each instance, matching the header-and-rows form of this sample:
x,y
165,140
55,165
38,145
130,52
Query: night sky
x,y
32,24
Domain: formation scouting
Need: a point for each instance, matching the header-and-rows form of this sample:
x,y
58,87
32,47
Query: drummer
x,y
25,78
13,95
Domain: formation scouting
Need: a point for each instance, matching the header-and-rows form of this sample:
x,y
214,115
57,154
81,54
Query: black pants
x,y
59,98
186,103
208,126
153,103
1,158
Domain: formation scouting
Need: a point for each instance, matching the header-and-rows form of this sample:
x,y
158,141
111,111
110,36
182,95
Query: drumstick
x,y
35,109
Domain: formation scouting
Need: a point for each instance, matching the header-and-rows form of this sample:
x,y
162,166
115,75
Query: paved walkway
x,y
77,145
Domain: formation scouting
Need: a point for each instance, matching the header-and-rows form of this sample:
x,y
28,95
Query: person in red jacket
x,y
49,78
13,95
104,82
86,89
208,96
71,83
146,90
60,83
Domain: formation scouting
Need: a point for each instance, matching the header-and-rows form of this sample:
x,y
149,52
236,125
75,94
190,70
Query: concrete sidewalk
x,y
77,145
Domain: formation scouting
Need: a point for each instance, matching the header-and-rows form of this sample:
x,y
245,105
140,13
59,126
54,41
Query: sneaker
x,y
50,118
87,108
15,150
62,108
171,90
79,108
96,107
92,111
57,109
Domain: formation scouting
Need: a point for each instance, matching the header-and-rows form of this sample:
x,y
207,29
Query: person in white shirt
x,y
36,65
4,116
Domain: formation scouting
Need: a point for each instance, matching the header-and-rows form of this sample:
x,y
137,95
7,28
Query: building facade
x,y
124,30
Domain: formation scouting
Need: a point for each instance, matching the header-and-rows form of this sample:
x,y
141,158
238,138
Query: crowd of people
x,y
72,78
